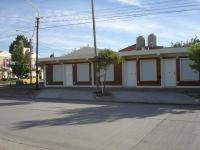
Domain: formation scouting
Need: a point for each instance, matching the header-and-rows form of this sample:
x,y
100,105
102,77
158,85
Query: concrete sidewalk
x,y
158,96
125,95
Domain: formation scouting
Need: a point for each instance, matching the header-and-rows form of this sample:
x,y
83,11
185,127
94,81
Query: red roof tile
x,y
129,48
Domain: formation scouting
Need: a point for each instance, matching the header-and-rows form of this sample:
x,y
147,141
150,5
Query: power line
x,y
16,18
15,34
142,5
105,9
121,14
175,9
43,44
33,32
8,36
35,9
125,16
150,8
122,7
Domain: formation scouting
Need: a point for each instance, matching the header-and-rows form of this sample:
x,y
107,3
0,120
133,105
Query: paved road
x,y
31,125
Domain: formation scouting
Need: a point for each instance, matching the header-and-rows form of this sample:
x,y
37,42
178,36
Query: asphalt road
x,y
36,125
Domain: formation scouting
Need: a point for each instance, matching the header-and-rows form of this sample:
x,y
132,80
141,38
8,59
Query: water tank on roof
x,y
152,41
140,42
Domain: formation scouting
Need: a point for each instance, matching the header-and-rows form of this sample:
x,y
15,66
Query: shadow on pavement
x,y
14,103
104,113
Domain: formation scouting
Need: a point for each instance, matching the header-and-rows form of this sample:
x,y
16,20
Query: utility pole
x,y
35,9
95,46
94,29
31,61
37,30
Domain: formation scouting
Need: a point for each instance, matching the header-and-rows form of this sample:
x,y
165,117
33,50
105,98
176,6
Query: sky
x,y
118,22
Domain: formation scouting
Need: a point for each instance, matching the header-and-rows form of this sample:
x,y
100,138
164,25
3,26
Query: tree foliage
x,y
20,59
17,41
107,57
104,59
194,56
188,43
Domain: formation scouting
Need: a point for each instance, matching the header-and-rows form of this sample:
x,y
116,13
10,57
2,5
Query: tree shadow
x,y
103,113
14,103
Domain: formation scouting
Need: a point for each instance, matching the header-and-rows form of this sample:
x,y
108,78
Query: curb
x,y
107,100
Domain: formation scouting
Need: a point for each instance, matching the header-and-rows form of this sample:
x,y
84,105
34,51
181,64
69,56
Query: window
x,y
83,72
186,72
109,73
6,63
148,71
57,73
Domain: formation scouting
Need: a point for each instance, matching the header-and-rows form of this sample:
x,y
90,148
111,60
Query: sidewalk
x,y
155,96
124,95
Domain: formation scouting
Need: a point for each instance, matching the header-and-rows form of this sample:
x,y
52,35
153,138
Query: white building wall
x,y
45,76
92,73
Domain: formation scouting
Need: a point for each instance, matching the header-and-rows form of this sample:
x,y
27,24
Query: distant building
x,y
5,64
5,60
33,61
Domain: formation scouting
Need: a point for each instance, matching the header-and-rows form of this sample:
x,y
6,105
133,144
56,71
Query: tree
x,y
104,59
20,58
194,56
188,43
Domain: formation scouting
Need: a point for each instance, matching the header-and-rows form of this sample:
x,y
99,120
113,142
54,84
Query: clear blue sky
x,y
114,34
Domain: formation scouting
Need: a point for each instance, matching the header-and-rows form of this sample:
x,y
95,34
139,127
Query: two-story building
x,y
5,70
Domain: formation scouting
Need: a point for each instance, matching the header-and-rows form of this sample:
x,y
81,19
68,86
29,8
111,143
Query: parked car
x,y
27,80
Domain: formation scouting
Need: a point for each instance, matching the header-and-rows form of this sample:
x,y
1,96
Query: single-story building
x,y
151,66
77,69
166,67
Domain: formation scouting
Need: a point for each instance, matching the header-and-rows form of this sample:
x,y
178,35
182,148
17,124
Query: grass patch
x,y
7,81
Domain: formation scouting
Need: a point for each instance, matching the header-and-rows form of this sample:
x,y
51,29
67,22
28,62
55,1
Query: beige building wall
x,y
5,59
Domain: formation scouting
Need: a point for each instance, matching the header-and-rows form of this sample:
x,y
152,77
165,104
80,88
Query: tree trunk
x,y
104,80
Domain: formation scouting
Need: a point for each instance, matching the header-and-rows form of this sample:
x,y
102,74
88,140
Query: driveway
x,y
39,125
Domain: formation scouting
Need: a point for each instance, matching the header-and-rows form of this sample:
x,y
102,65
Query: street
x,y
81,125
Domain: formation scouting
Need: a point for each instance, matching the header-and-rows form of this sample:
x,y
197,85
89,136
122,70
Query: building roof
x,y
5,54
129,48
84,53
134,47
157,52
